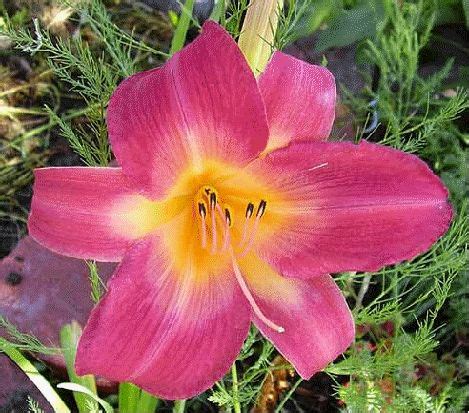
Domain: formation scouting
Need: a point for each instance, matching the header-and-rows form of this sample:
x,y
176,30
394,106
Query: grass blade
x,y
69,336
39,381
74,387
180,33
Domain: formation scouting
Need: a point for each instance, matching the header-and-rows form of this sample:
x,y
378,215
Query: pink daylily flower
x,y
229,208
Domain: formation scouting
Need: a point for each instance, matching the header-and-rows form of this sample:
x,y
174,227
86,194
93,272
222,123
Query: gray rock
x,y
202,8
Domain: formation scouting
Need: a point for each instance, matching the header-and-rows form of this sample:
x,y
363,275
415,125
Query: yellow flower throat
x,y
217,210
210,220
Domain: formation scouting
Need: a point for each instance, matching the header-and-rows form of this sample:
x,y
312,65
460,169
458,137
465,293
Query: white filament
x,y
250,298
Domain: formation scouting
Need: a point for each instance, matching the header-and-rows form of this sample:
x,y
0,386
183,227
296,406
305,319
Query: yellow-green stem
x,y
235,389
179,406
129,395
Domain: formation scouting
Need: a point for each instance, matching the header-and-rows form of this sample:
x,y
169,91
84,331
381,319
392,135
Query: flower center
x,y
227,212
217,218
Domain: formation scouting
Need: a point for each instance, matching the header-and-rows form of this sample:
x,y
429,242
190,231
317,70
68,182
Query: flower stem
x,y
235,389
179,406
128,397
363,289
147,402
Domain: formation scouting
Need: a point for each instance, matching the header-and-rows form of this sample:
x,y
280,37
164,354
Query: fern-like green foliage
x,y
93,75
25,342
382,367
410,295
251,379
34,406
97,285
234,14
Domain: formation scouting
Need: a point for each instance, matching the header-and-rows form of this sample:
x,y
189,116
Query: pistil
x,y
245,289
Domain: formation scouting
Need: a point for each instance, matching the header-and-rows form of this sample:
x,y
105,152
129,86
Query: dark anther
x,y
207,191
13,278
249,210
213,200
228,216
261,208
19,259
202,210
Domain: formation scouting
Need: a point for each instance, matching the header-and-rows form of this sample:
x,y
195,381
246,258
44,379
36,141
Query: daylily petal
x,y
317,321
351,207
203,103
173,334
84,212
299,99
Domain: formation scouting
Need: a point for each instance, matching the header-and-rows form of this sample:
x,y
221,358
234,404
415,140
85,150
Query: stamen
x,y
250,298
261,208
228,216
228,225
213,204
203,215
226,219
213,200
252,236
249,212
202,209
